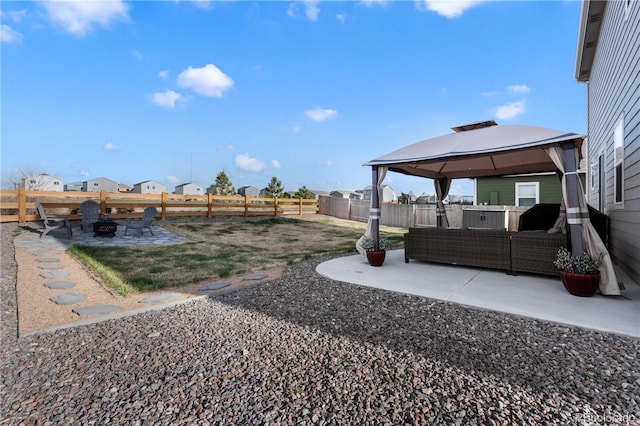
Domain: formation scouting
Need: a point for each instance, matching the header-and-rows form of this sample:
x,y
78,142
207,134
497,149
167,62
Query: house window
x,y
56,183
527,193
594,176
618,158
95,184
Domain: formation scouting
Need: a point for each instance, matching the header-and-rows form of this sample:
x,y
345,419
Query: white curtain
x,y
594,245
442,190
374,211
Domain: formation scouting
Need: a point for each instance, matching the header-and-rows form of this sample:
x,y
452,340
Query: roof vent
x,y
594,18
474,126
589,44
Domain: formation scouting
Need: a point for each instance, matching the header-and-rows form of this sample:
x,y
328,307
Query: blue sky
x,y
308,91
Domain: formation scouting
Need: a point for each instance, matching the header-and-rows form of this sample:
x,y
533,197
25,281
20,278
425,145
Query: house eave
x,y
590,21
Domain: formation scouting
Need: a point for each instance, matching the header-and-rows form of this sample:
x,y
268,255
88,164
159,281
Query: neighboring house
x,y
460,199
99,184
149,187
124,188
42,182
249,191
317,193
518,190
351,195
189,189
388,194
426,199
608,61
73,186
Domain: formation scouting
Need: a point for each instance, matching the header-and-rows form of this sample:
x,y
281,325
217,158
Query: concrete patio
x,y
527,295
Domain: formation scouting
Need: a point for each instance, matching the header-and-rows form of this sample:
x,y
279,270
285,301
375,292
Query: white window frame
x,y
627,8
521,184
618,163
594,176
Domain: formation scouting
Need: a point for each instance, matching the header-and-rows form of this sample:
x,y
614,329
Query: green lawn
x,y
223,249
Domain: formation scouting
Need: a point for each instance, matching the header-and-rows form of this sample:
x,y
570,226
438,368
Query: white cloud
x,y
80,17
172,179
311,9
320,114
447,8
341,17
328,163
519,88
244,162
14,15
109,147
167,99
276,164
163,74
508,111
9,35
206,81
84,173
202,4
371,3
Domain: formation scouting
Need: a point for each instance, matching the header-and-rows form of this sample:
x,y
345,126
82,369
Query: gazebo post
x,y
572,203
374,212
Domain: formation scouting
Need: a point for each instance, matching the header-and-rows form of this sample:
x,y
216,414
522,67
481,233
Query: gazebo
x,y
488,149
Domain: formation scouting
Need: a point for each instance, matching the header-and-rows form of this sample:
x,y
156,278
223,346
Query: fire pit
x,y
105,228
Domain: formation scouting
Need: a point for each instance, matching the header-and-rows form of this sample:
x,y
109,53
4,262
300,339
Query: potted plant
x,y
580,275
375,257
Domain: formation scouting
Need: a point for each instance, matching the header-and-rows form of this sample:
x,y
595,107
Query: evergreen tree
x,y
304,193
222,186
274,188
404,198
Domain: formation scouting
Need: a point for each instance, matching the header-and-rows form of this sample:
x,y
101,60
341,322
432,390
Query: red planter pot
x,y
376,258
583,285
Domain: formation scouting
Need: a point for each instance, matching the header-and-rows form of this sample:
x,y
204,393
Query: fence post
x,y
246,205
163,215
22,205
299,206
103,200
209,203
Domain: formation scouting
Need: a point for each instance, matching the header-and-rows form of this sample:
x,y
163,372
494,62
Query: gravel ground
x,y
303,349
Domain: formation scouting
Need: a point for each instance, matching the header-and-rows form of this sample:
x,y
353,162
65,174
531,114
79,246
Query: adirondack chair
x,y
53,222
90,211
139,224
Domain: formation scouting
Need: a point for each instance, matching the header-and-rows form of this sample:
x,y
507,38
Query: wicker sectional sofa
x,y
528,251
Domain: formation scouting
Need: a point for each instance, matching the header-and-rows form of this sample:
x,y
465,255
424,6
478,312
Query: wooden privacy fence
x,y
19,205
411,215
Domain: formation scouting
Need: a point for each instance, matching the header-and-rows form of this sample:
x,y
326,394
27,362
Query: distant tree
x,y
222,186
304,193
404,198
15,179
274,188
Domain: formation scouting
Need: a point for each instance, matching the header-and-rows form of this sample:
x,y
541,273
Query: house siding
x,y
149,187
612,93
99,184
550,189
